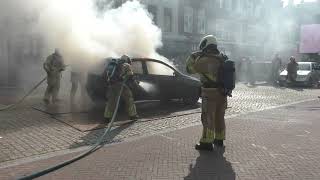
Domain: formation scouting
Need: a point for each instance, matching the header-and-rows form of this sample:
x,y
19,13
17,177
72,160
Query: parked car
x,y
308,74
158,81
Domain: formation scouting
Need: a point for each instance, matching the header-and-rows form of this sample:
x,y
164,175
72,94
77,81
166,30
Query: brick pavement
x,y
280,143
29,133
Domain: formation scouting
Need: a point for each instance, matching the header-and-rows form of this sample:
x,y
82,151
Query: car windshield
x,y
304,67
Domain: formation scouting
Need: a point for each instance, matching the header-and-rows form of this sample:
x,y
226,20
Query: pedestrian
x,y
292,69
53,65
249,73
238,71
243,70
275,69
208,64
77,78
122,72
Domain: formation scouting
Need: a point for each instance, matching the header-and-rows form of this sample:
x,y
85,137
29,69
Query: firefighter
x,y
77,78
208,63
276,66
122,72
292,69
53,65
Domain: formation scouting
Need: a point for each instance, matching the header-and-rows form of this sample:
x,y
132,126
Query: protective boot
x,y
134,117
46,101
204,146
107,120
218,143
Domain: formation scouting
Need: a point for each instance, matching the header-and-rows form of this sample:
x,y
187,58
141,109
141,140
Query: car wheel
x,y
281,84
190,100
312,83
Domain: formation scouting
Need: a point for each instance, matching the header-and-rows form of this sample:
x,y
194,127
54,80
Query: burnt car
x,y
157,81
308,74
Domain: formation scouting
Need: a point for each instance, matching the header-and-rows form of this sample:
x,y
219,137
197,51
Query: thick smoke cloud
x,y
83,37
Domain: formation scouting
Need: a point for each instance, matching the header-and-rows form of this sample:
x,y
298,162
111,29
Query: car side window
x,y
316,67
137,67
155,68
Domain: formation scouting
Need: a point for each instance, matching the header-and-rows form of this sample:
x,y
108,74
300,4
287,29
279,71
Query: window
x,y
201,28
137,67
153,11
220,3
188,20
304,67
228,4
316,66
167,19
234,5
252,33
195,47
219,30
155,68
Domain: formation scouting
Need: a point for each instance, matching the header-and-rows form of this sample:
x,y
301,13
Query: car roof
x,y
306,62
155,60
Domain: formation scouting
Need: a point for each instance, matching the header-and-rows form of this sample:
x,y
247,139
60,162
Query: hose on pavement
x,y
94,148
24,97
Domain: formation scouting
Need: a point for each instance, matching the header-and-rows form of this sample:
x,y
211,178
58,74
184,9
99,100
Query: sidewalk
x,y
282,143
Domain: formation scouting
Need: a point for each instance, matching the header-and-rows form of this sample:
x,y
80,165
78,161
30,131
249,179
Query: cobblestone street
x,y
279,143
26,133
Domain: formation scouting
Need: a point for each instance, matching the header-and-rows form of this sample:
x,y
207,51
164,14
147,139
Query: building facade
x,y
243,27
20,50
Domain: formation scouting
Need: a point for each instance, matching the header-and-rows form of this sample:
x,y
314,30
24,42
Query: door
x,y
139,71
165,78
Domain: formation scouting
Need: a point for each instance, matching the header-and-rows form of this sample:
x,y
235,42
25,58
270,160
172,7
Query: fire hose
x,y
24,97
94,148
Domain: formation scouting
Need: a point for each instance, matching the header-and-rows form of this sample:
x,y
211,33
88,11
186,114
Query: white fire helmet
x,y
57,51
126,58
206,41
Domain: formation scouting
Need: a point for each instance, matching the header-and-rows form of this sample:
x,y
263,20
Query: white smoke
x,y
74,27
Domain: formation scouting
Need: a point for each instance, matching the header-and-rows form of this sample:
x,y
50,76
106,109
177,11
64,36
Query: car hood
x,y
299,73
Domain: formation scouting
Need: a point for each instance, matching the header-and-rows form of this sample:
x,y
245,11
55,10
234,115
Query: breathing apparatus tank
x,y
112,71
228,76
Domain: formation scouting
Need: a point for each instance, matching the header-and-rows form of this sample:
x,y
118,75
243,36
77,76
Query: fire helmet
x,y
292,58
57,51
126,59
206,41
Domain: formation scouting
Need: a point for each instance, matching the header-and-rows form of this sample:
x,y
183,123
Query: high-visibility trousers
x,y
126,96
214,104
53,87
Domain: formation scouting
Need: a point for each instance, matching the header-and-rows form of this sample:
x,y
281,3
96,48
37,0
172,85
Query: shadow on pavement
x,y
93,119
92,137
211,165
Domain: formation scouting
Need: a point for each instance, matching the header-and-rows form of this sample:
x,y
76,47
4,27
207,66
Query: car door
x,y
316,71
148,84
165,78
140,75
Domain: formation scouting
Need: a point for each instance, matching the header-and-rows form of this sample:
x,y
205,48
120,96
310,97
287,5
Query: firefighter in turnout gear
x,y
53,65
208,63
120,72
292,69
